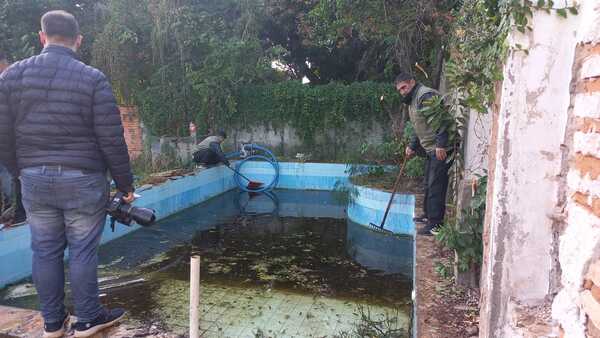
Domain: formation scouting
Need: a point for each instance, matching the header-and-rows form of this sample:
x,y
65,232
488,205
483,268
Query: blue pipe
x,y
268,157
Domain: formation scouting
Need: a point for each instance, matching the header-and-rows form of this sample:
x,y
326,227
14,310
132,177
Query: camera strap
x,y
112,223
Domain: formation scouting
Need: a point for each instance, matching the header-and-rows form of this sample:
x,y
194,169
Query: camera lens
x,y
142,216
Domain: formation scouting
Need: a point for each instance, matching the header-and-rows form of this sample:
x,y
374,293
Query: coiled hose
x,y
258,153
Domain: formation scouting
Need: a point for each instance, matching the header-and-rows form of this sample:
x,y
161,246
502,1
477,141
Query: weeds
x,y
387,327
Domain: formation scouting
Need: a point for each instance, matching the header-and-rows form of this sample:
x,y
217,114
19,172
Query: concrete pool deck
x,y
185,192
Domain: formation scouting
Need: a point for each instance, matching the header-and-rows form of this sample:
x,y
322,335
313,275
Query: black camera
x,y
126,213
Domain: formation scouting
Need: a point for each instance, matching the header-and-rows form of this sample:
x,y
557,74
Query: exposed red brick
x,y
587,164
588,125
132,130
596,293
588,49
588,86
581,198
593,273
561,332
593,204
592,330
591,307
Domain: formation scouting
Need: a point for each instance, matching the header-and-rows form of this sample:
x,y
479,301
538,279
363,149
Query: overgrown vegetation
x,y
204,61
388,326
466,238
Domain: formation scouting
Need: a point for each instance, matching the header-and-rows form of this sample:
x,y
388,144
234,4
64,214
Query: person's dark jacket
x,y
209,151
55,110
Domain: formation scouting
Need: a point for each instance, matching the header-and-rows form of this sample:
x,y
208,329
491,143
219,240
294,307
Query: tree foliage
x,y
20,24
191,60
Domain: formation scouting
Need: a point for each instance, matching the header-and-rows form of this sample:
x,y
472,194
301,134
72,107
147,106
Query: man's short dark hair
x,y
222,133
60,25
403,76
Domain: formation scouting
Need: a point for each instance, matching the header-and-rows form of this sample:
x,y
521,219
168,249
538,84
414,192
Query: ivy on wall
x,y
313,110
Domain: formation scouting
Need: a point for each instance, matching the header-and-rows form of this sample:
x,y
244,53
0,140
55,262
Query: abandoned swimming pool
x,y
286,264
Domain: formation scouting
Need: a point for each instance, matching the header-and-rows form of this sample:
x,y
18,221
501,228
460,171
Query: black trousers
x,y
206,157
19,209
16,200
436,187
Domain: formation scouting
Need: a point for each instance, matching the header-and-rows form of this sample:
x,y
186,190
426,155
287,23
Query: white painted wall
x,y
531,127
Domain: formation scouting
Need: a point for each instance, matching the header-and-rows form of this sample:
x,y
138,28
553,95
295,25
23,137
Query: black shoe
x,y
429,230
435,229
56,329
20,219
420,219
106,319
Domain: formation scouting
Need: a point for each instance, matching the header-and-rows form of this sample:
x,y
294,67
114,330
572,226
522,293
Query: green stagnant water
x,y
253,247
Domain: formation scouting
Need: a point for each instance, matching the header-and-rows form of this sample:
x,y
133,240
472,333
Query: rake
x,y
380,228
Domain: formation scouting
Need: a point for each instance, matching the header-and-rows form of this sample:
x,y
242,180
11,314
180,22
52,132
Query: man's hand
x,y
440,154
129,198
409,152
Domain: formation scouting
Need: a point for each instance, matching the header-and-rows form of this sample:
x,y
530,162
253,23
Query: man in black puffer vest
x,y
60,131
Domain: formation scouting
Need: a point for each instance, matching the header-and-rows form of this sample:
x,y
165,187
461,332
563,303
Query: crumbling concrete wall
x,y
520,236
576,308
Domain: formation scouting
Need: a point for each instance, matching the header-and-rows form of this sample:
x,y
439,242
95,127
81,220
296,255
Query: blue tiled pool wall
x,y
166,199
379,250
370,205
367,207
289,203
185,192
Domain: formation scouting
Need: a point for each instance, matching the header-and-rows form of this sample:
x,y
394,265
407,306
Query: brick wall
x,y
590,299
133,130
583,191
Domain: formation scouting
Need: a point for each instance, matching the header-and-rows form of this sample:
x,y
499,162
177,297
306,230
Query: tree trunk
x,y
398,119
436,75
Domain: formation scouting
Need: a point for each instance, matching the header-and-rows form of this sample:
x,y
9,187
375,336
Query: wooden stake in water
x,y
194,296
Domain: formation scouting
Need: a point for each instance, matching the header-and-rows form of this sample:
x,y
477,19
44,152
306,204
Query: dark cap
x,y
403,76
222,133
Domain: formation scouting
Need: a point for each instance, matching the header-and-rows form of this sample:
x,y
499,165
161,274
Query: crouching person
x,y
209,152
60,131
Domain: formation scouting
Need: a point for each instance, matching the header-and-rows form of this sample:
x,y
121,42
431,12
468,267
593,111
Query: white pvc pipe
x,y
194,297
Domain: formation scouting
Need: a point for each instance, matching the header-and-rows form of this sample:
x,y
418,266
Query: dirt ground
x,y
443,310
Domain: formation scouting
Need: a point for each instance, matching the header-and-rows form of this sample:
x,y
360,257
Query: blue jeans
x,y
65,208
